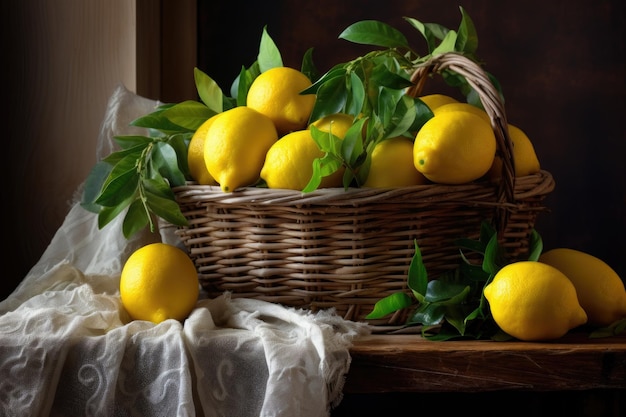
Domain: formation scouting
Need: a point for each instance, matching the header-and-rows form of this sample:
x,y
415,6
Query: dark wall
x,y
561,65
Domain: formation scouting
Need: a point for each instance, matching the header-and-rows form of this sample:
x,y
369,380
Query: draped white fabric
x,y
68,348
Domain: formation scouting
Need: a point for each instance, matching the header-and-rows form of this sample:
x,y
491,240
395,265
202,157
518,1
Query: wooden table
x,y
576,369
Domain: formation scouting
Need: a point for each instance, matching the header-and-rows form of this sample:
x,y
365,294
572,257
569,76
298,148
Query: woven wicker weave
x,y
347,249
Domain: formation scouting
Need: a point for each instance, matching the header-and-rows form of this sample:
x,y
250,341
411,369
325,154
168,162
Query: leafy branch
x,y
139,176
454,304
372,88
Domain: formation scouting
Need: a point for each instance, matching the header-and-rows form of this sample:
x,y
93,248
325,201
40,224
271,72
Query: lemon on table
x,y
276,94
195,154
436,100
289,163
534,301
392,165
600,290
235,147
159,282
454,147
524,155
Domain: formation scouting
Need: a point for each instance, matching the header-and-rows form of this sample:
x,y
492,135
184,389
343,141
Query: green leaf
x,y
492,252
473,245
136,219
467,38
390,304
121,184
308,68
382,76
476,313
472,273
165,161
376,33
356,95
157,121
189,114
448,44
161,200
535,246
107,214
422,115
209,92
432,32
445,293
352,144
455,316
93,185
402,118
269,55
180,144
242,84
322,167
428,314
487,231
337,71
331,98
326,141
133,152
417,276
132,141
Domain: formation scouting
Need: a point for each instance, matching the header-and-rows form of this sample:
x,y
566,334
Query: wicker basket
x,y
347,249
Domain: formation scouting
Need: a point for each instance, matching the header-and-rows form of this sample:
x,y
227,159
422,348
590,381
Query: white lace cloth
x,y
68,348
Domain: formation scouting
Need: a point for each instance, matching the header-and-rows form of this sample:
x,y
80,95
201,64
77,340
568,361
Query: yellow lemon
x,y
435,100
463,107
338,123
195,154
454,148
235,147
392,165
600,290
276,94
289,163
159,282
534,301
524,156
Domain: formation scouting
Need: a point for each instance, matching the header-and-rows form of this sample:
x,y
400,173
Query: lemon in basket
x,y
600,290
336,123
534,301
235,146
289,163
195,154
434,101
524,155
454,147
444,108
159,282
392,165
276,94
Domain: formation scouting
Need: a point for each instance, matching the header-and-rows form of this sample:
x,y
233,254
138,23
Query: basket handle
x,y
478,79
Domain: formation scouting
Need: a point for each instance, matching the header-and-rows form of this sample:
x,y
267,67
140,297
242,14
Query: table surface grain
x,y
409,363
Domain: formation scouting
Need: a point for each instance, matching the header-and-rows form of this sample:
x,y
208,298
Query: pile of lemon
x,y
269,139
563,290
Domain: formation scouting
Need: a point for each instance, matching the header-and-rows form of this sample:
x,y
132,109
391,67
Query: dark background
x,y
561,65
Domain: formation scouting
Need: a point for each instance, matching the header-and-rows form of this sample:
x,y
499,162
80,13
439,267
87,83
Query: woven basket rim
x,y
539,184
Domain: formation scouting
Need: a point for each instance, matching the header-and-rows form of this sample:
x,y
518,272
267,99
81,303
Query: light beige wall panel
x,y
67,56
